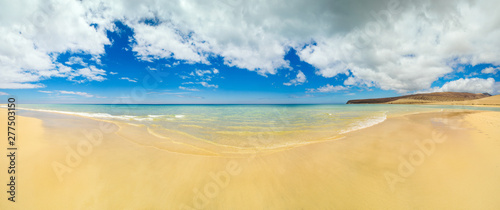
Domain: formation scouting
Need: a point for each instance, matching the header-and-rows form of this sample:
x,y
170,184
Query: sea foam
x,y
101,115
371,121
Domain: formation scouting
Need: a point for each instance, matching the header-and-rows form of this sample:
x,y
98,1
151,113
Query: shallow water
x,y
245,125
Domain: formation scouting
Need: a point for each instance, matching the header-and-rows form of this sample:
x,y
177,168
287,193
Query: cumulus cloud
x,y
469,85
88,74
205,84
204,75
327,89
355,81
299,80
32,38
410,47
391,44
394,45
490,70
202,72
75,61
247,35
164,41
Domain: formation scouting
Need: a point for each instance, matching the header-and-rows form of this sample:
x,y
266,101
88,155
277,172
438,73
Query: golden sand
x,y
493,101
440,160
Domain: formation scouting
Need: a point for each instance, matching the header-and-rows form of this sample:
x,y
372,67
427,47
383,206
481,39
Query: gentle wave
x,y
101,115
365,123
353,127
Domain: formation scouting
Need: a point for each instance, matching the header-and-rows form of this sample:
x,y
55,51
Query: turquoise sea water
x,y
233,123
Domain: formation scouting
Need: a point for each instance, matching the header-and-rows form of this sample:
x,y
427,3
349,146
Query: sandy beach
x,y
438,160
249,105
492,101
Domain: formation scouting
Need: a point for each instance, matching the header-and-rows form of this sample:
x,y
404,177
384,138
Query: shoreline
x,y
206,147
217,146
441,104
327,174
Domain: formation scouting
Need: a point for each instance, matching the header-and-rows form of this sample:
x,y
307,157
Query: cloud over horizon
x,y
397,45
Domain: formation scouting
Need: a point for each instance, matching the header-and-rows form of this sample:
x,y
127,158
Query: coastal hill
x,y
449,98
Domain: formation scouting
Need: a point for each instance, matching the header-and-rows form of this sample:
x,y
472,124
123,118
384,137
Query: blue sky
x,y
162,81
186,55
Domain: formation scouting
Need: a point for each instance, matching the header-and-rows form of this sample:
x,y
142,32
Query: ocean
x,y
245,125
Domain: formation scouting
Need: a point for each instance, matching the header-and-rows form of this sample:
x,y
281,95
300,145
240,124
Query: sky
x,y
245,52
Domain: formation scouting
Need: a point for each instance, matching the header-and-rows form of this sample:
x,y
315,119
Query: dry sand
x,y
493,101
440,160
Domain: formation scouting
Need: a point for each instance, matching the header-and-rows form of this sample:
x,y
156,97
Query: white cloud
x,y
45,91
490,70
188,89
390,44
128,79
33,37
419,44
113,73
190,31
202,72
203,75
76,93
469,85
355,81
87,74
327,88
16,85
164,41
75,60
205,84
4,94
407,50
350,81
299,80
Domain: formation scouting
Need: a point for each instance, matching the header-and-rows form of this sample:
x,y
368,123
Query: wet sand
x,y
439,160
